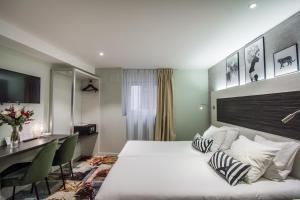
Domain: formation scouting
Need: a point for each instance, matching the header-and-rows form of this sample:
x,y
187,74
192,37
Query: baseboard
x,y
107,153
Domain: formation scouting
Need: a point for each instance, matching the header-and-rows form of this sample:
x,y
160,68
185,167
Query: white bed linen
x,y
190,177
158,148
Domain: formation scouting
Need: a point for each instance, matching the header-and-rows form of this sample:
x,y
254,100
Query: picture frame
x,y
255,69
232,70
286,60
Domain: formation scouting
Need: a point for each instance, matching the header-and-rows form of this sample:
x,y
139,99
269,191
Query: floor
x,y
89,173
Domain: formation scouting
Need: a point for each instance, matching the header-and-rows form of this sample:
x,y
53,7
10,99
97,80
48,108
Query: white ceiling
x,y
147,33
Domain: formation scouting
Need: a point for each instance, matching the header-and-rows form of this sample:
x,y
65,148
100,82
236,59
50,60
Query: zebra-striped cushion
x,y
202,144
229,168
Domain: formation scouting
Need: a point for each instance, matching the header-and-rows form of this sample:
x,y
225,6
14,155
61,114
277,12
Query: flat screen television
x,y
19,88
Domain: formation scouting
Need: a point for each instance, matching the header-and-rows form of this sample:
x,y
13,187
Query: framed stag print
x,y
255,61
232,70
286,60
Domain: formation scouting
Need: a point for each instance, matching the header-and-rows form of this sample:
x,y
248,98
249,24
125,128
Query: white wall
x,y
78,102
15,61
62,90
113,124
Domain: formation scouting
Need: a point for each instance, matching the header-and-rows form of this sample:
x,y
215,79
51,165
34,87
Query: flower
x,y
18,114
5,112
14,117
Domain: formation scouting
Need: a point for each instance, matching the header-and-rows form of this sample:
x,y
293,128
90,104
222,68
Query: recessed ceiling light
x,y
101,54
253,5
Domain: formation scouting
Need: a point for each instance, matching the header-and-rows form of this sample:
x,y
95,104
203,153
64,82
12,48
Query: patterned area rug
x,y
89,173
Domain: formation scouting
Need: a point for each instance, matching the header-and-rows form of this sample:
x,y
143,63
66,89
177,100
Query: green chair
x,y
64,154
30,172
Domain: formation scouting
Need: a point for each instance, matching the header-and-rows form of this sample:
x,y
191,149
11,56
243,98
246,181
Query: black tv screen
x,y
19,88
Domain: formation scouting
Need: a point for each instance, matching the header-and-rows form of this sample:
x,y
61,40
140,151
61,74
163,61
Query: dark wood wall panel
x,y
262,112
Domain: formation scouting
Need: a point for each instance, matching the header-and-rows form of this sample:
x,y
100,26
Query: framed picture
x,y
255,61
232,70
286,60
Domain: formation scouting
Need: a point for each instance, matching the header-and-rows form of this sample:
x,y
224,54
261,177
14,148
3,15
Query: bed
x,y
174,170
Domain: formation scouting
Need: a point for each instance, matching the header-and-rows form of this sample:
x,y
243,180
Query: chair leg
x,y
14,191
48,188
36,192
31,191
62,176
71,169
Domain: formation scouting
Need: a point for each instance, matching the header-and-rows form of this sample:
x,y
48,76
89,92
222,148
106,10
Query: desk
x,y
6,151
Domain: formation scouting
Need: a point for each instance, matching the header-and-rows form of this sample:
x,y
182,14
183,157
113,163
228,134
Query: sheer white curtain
x,y
139,103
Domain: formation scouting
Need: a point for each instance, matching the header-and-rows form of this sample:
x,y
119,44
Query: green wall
x,y
190,91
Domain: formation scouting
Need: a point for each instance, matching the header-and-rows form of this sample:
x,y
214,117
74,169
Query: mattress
x,y
187,177
158,148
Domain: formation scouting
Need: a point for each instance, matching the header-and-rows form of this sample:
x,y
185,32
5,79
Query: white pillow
x,y
231,134
257,155
281,166
217,135
210,130
197,136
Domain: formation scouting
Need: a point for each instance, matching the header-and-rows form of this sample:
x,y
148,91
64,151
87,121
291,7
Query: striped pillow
x,y
202,144
230,169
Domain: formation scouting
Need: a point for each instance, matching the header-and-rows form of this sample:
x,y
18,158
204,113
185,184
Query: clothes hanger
x,y
90,87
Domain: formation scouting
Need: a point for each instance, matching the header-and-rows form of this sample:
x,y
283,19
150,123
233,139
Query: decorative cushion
x,y
229,168
281,166
217,135
202,144
257,155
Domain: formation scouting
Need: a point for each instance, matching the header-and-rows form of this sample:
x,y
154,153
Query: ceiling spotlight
x,y
253,5
101,54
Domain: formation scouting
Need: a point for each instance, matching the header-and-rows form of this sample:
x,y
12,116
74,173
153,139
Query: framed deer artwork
x,y
255,61
232,70
286,60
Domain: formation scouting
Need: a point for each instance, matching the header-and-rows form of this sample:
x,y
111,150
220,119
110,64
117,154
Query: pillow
x,y
230,169
257,155
231,135
281,166
197,136
210,130
202,144
217,135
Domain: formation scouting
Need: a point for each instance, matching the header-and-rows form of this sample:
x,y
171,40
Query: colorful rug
x,y
89,173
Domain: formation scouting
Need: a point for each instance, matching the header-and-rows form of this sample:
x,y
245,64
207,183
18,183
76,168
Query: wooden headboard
x,y
262,112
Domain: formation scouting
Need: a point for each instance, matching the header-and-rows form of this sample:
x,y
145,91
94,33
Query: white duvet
x,y
156,148
157,173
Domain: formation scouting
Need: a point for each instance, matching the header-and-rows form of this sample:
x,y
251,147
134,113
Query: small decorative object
x,y
286,60
255,61
16,119
232,70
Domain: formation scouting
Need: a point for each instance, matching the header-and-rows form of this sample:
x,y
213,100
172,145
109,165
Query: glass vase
x,y
15,137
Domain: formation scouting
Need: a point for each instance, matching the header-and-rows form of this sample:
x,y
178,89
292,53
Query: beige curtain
x,y
164,124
